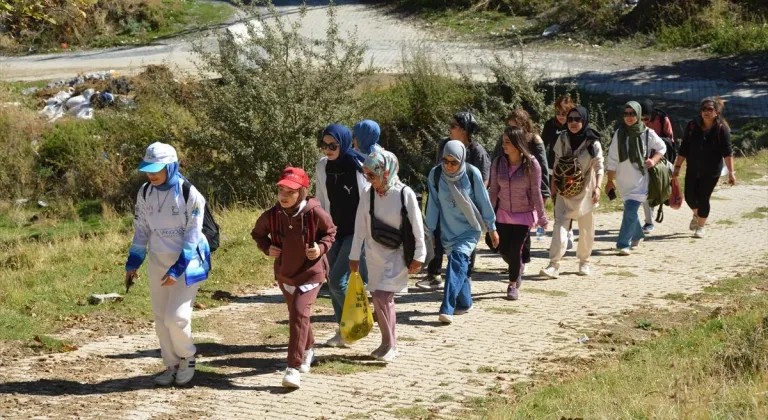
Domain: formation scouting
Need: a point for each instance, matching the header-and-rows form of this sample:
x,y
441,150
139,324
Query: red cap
x,y
294,178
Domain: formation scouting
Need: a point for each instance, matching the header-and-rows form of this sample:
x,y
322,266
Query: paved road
x,y
439,368
386,35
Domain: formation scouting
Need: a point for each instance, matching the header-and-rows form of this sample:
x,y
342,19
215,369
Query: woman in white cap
x,y
170,227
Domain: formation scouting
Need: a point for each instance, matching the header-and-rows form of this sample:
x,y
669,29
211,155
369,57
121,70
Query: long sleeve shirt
x,y
631,182
456,233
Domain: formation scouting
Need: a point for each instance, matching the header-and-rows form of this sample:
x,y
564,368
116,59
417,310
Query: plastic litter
x,y
583,339
551,30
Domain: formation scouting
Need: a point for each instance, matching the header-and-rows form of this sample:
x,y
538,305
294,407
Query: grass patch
x,y
326,302
444,398
48,344
712,367
335,365
680,297
727,222
44,285
204,367
621,273
465,370
503,311
486,369
547,292
407,339
479,23
752,168
758,213
417,412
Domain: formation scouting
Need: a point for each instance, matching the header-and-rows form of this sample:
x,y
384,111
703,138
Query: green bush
x,y
19,130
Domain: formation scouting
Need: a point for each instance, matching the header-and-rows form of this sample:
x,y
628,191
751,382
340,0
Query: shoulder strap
x,y
144,191
403,209
436,177
185,187
373,197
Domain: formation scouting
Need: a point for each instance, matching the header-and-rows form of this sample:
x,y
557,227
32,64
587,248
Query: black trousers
x,y
698,191
512,240
435,266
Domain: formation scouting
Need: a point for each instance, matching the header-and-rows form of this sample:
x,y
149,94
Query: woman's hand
x,y
732,178
676,172
649,163
545,226
130,275
610,185
596,195
415,267
354,266
494,238
274,251
313,253
168,280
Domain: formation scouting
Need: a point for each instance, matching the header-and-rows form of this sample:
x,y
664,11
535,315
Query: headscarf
x,y
343,136
456,149
634,132
586,133
385,165
367,133
467,121
172,169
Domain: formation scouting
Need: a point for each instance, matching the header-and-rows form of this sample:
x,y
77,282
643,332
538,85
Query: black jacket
x,y
549,134
704,151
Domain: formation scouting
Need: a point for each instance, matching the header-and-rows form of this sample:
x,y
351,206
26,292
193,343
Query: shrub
x,y
274,95
19,131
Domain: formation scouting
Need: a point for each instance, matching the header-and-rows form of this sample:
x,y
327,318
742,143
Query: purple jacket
x,y
517,193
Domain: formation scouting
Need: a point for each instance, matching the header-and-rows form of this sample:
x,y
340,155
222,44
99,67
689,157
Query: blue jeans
x,y
338,259
630,225
458,292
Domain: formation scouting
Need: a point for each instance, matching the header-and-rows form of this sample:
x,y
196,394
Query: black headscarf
x,y
586,133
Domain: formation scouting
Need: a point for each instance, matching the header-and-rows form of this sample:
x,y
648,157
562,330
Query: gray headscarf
x,y
456,149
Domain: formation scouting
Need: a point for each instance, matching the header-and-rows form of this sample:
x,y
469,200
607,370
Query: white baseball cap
x,y
158,155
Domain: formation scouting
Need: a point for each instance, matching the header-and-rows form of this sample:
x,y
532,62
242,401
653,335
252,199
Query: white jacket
x,y
631,183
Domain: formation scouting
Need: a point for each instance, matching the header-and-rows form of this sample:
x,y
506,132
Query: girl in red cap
x,y
297,233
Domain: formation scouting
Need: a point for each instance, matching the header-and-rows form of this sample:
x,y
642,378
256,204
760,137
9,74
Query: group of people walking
x,y
362,214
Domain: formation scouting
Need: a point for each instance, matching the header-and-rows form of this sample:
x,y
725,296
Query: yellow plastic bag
x,y
356,316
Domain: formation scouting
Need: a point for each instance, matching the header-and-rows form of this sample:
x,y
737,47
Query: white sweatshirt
x,y
387,269
631,183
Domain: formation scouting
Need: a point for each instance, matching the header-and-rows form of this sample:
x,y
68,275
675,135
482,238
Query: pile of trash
x,y
82,106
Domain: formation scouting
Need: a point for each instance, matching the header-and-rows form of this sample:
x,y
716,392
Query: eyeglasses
x,y
449,162
630,114
708,109
574,119
332,146
370,176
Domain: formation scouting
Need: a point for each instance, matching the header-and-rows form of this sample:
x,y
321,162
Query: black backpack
x,y
672,147
210,227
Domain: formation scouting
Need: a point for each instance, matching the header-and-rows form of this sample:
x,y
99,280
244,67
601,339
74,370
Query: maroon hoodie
x,y
293,267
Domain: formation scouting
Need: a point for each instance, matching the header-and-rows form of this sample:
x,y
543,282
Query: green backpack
x,y
659,185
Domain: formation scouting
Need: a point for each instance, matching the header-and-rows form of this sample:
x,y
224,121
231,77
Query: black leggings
x,y
697,193
511,243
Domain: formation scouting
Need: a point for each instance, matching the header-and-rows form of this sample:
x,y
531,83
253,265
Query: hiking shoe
x,y
636,243
166,378
700,232
461,311
584,269
186,371
570,240
549,272
337,341
292,378
379,351
625,251
694,223
431,283
512,293
309,358
445,318
648,228
389,355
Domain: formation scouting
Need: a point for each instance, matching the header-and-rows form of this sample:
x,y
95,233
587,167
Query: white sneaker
x,y
700,232
549,272
445,318
309,357
694,223
625,251
186,371
292,378
636,243
389,355
431,283
166,378
336,341
569,245
584,270
461,311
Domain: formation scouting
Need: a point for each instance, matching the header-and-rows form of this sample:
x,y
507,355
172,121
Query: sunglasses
x,y
332,147
630,114
574,119
708,109
370,176
448,162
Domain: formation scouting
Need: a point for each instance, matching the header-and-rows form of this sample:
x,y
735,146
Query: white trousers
x,y
560,237
648,213
172,308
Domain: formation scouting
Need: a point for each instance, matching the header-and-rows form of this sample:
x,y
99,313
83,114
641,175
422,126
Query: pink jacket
x,y
517,193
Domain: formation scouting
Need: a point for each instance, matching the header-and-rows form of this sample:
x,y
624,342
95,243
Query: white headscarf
x,y
456,149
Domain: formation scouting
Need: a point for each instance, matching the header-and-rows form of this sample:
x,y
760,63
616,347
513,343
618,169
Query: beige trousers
x,y
560,236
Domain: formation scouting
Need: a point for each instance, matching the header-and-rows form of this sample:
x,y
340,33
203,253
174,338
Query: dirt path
x,y
242,353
